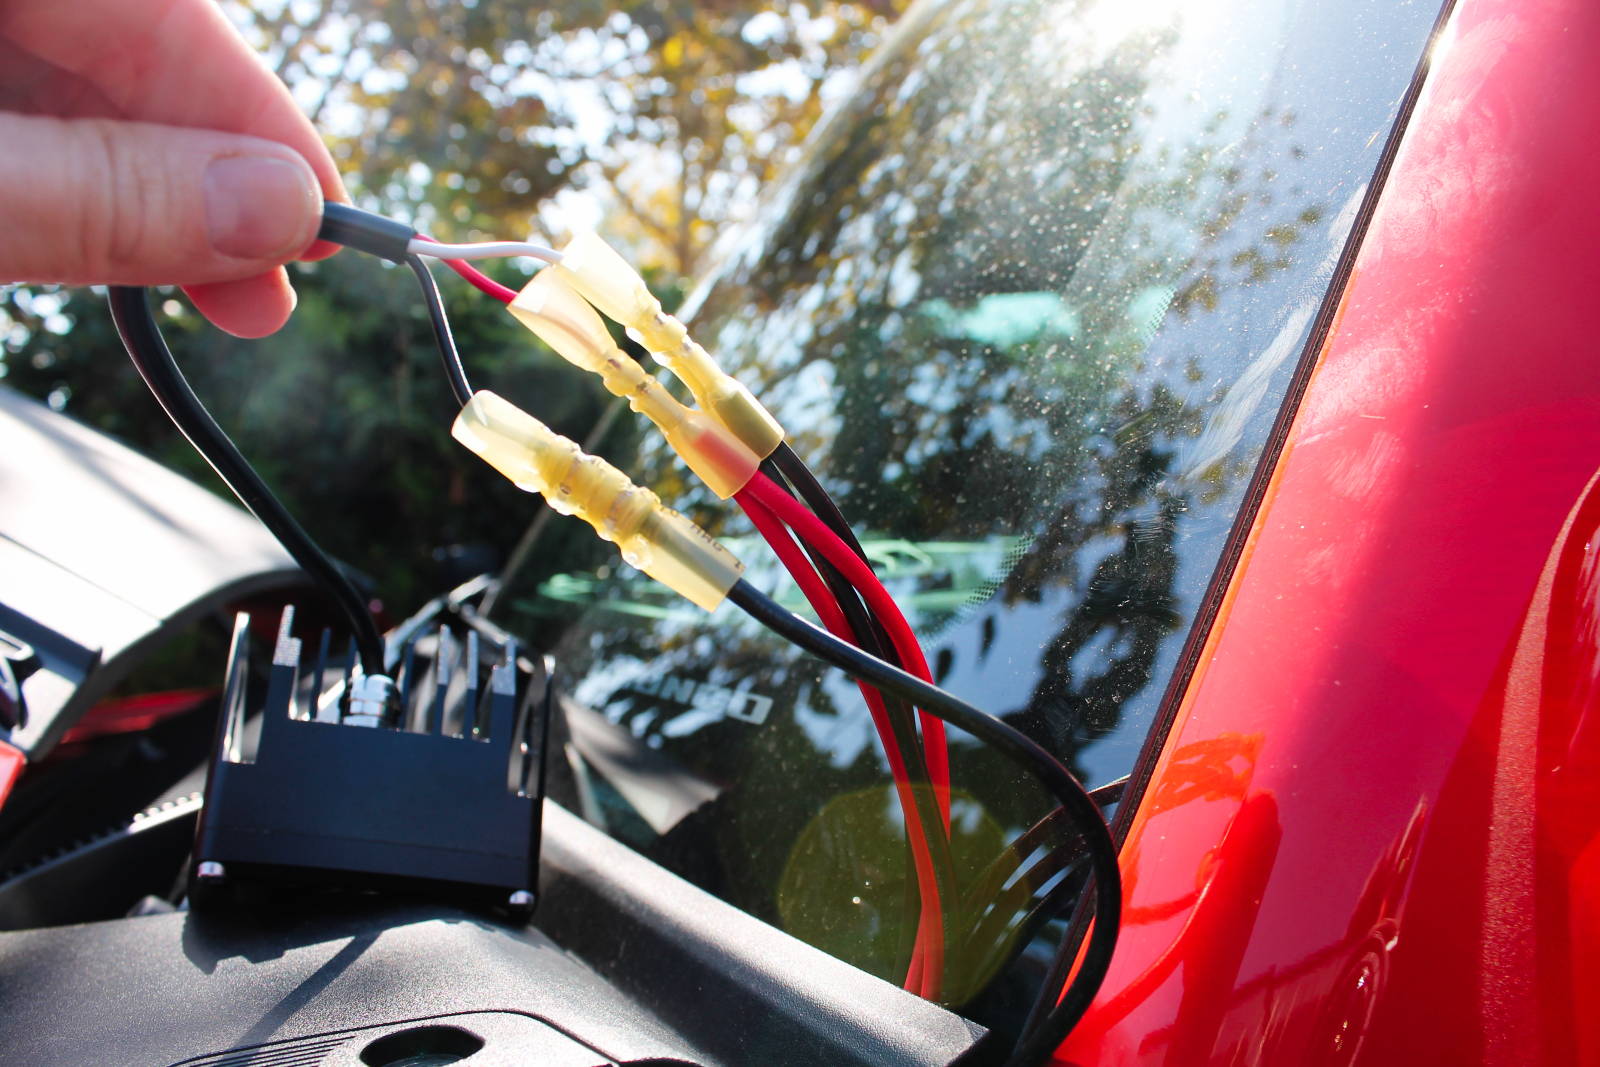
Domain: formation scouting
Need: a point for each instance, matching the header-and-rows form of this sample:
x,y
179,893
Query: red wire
x,y
12,764
814,532
480,281
927,960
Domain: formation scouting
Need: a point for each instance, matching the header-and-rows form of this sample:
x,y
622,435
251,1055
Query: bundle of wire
x,y
834,580
863,632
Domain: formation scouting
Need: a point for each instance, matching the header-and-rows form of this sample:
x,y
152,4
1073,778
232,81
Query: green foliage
x,y
472,114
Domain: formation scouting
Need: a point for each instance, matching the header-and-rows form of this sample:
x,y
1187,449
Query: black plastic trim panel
x,y
163,989
744,991
629,961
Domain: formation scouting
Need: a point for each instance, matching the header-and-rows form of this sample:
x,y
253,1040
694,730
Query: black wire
x,y
785,460
874,640
453,368
1011,858
1006,903
130,310
1016,903
1036,1046
1003,917
1033,921
788,461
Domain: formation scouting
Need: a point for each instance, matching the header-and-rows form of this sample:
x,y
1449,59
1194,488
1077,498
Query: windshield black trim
x,y
1277,438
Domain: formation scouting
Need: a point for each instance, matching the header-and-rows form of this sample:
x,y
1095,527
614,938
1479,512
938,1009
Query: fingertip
x,y
250,307
318,250
333,189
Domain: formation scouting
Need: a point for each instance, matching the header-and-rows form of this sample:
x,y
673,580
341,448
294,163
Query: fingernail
x,y
259,207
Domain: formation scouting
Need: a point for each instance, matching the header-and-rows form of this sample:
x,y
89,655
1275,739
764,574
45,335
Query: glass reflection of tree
x,y
1128,598
954,313
994,179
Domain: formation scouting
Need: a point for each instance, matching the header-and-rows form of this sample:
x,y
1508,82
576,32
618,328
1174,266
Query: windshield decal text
x,y
741,704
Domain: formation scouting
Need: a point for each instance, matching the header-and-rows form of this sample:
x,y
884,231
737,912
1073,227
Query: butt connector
x,y
605,280
652,537
551,308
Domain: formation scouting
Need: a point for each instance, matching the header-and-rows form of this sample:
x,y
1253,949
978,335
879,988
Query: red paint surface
x,y
12,764
1372,837
135,714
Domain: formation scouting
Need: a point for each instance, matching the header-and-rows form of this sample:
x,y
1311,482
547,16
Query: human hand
x,y
142,142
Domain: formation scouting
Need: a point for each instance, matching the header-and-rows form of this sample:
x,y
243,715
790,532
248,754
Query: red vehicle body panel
x,y
1371,834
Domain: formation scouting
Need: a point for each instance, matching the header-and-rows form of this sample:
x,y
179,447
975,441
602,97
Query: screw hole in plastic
x,y
422,1046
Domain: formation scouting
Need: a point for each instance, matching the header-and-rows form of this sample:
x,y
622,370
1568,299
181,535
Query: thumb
x,y
95,201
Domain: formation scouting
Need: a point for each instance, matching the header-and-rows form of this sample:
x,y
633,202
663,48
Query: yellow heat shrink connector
x,y
551,308
605,280
652,537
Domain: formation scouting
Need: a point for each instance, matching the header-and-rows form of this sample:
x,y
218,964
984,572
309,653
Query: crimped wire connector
x,y
372,699
605,280
652,537
551,308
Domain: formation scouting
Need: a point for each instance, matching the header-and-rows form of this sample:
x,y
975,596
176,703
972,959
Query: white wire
x,y
482,250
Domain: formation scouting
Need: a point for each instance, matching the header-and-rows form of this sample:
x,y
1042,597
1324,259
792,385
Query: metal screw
x,y
210,870
521,899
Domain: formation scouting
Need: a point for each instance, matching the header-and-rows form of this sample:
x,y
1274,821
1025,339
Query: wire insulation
x,y
926,972
475,277
784,467
900,717
130,310
376,235
481,281
453,367
789,464
816,533
427,246
869,631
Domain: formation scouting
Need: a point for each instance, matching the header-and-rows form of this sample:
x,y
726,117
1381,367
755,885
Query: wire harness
x,y
553,308
738,449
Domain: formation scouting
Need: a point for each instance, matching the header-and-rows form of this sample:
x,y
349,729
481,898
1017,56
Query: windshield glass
x,y
1030,306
